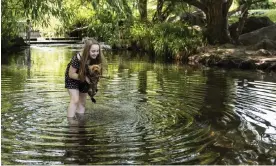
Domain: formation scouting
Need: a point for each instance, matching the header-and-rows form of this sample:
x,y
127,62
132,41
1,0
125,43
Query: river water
x,y
146,113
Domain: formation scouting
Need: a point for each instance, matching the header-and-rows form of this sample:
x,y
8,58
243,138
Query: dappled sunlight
x,y
49,59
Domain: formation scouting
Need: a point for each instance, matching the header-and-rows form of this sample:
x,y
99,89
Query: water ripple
x,y
145,114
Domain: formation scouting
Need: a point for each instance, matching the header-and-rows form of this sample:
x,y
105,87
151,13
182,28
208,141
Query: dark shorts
x,y
83,87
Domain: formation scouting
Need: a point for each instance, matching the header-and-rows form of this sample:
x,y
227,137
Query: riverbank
x,y
225,56
231,56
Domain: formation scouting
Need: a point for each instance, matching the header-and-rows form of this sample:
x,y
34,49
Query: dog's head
x,y
94,70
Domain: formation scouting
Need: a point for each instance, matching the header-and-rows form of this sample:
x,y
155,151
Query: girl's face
x,y
94,51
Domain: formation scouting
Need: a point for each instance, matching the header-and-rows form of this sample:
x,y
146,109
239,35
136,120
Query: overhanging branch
x,y
242,6
194,3
197,4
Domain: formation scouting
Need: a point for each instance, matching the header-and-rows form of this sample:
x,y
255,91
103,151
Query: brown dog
x,y
94,73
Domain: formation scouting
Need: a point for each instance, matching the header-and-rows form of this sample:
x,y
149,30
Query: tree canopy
x,y
103,16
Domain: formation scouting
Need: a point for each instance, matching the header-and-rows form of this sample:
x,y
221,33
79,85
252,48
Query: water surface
x,y
146,113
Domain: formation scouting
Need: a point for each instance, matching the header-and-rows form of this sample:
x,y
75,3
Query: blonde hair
x,y
86,56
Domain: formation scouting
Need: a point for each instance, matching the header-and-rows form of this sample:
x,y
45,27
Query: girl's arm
x,y
73,73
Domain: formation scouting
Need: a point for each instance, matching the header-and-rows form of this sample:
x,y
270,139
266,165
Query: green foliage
x,y
79,10
167,39
142,35
102,20
15,13
255,4
121,8
103,26
102,31
264,4
173,38
269,13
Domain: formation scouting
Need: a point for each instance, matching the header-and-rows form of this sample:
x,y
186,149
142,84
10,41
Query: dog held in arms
x,y
93,74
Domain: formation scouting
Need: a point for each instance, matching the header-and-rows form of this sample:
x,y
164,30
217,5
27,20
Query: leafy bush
x,y
167,39
141,35
102,31
103,27
265,4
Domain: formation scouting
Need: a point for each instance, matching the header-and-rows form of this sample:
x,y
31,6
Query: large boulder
x,y
256,36
251,24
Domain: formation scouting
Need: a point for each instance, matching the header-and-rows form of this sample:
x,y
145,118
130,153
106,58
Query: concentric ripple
x,y
146,113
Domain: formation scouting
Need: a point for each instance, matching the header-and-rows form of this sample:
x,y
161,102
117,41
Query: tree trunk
x,y
161,13
157,15
241,25
142,7
217,22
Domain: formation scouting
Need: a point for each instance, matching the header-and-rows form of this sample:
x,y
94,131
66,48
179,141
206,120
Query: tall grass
x,y
166,40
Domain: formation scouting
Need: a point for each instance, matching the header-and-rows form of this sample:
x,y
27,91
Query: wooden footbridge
x,y
64,40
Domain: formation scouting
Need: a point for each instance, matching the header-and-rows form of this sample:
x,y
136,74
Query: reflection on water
x,y
146,113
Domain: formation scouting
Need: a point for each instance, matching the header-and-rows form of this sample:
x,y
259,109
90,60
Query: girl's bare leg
x,y
82,102
74,101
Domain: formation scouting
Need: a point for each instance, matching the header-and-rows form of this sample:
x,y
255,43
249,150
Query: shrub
x,y
166,40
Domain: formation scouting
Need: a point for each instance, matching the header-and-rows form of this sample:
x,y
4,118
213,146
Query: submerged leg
x,y
74,100
82,102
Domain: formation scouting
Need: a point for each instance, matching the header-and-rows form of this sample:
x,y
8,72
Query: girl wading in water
x,y
76,76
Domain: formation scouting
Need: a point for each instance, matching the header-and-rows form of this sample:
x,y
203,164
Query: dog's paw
x,y
93,100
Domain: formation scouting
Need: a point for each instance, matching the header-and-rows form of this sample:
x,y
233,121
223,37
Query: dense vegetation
x,y
157,26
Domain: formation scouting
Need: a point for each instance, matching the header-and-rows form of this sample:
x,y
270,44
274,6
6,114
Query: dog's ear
x,y
99,68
